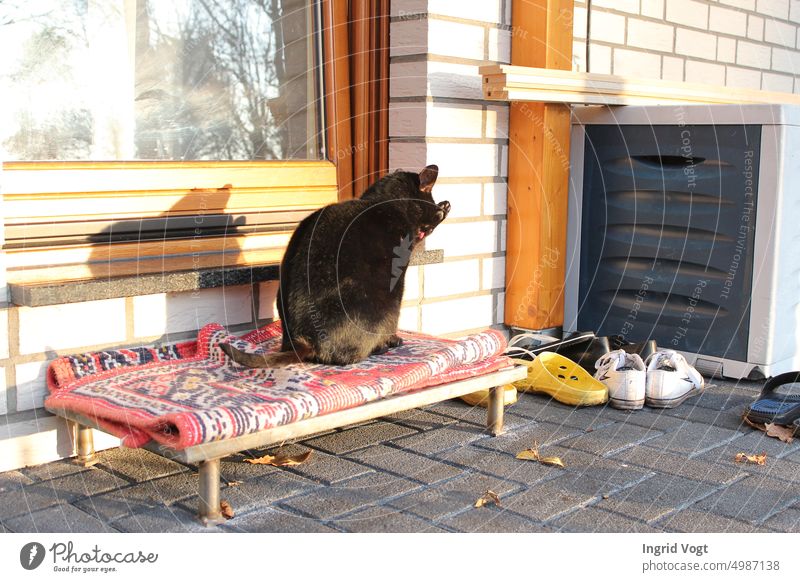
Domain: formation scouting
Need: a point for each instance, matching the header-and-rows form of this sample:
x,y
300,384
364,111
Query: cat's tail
x,y
301,353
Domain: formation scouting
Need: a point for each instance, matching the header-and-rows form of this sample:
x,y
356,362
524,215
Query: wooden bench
x,y
207,456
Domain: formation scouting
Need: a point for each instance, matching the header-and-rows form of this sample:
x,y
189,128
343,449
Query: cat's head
x,y
416,190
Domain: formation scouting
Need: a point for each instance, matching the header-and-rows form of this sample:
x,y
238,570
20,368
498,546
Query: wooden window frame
x,y
278,193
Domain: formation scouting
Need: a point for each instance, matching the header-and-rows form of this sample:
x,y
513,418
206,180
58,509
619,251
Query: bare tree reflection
x,y
212,79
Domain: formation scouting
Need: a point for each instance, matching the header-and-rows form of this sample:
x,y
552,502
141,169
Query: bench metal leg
x,y
210,513
494,421
83,442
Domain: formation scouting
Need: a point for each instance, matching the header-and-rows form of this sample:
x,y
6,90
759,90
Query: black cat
x,y
342,276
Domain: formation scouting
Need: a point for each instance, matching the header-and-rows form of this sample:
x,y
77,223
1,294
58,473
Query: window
x,y
160,80
144,135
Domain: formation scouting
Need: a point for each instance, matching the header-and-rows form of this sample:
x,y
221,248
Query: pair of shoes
x,y
562,379
582,347
775,405
664,380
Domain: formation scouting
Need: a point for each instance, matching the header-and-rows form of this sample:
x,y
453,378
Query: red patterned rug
x,y
190,393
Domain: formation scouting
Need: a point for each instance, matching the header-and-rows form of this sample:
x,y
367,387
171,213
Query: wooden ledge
x,y
513,83
56,292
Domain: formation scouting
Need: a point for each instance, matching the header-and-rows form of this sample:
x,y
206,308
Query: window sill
x,y
59,292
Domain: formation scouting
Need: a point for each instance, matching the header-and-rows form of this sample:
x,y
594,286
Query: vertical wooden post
x,y
538,172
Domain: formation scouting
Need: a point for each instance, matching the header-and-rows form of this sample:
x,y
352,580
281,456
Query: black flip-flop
x,y
775,407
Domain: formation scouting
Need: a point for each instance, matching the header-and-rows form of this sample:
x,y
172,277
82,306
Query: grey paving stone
x,y
275,520
502,465
420,419
546,410
610,439
174,519
650,418
385,520
52,470
543,433
755,441
434,503
255,493
353,439
320,466
775,468
460,411
61,518
656,497
138,465
694,439
723,396
693,520
730,419
84,483
491,519
235,468
65,488
550,499
25,500
405,464
787,520
4,529
434,441
673,464
124,501
13,480
612,472
753,499
593,520
329,502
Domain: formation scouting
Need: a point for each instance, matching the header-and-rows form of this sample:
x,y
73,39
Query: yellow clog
x,y
481,397
563,379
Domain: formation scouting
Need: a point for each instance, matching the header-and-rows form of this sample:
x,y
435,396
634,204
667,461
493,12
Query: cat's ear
x,y
427,177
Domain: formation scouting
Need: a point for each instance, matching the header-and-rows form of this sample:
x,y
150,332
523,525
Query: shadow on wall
x,y
177,240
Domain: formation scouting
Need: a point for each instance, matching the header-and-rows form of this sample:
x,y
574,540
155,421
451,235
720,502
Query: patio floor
x,y
422,471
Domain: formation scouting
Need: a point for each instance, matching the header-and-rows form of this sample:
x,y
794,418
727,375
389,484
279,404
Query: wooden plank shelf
x,y
515,83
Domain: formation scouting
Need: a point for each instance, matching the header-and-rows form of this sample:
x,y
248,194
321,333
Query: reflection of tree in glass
x,y
211,81
47,127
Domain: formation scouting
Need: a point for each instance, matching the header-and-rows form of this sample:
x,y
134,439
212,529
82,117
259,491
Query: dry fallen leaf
x,y
783,433
755,425
234,483
754,459
533,455
226,509
488,497
280,460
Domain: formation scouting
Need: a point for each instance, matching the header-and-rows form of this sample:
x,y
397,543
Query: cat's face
x,y
431,213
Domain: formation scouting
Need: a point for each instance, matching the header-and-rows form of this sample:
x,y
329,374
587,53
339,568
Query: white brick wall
x,y
465,199
3,333
441,35
694,40
267,294
3,392
464,238
745,78
449,124
458,315
439,279
650,35
31,385
76,325
170,313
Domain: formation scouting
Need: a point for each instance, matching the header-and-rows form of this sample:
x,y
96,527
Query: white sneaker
x,y
624,376
670,380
